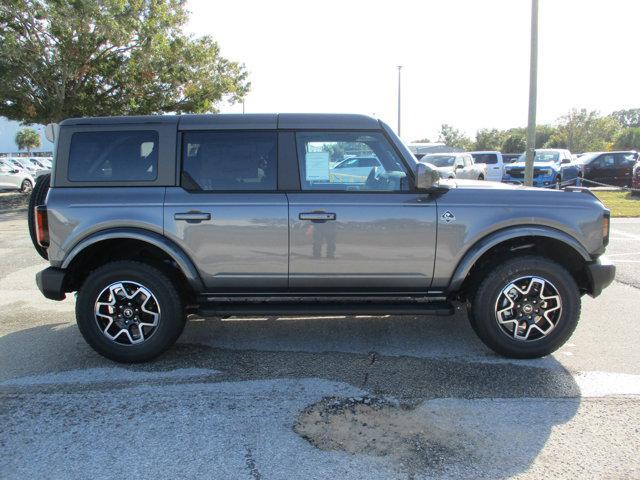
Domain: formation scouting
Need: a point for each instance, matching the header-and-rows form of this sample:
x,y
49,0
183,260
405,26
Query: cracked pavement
x,y
223,403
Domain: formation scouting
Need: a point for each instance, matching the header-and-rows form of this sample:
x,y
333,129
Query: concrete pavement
x,y
236,398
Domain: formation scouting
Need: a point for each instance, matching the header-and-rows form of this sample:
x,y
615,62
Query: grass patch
x,y
621,204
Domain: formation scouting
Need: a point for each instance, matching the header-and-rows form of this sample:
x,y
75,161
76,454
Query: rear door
x,y
227,213
371,233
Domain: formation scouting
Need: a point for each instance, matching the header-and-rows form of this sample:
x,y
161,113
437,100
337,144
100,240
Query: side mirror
x,y
426,176
15,170
458,167
565,160
50,132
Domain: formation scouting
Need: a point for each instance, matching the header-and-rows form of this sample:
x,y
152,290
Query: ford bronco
x,y
152,218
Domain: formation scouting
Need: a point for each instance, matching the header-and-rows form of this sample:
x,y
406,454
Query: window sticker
x,y
317,166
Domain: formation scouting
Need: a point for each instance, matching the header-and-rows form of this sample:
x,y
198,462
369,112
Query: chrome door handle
x,y
192,217
317,216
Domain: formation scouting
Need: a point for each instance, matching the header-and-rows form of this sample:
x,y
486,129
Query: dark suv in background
x,y
152,218
609,168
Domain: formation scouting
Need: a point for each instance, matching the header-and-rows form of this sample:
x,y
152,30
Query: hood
x,y
483,184
536,165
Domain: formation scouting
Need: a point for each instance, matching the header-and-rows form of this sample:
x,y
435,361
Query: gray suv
x,y
152,218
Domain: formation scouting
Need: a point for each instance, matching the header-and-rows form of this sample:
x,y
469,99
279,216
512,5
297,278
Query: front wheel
x,y
526,307
129,311
26,186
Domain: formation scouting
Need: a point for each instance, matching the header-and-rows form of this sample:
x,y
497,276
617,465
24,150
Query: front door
x,y
365,232
227,214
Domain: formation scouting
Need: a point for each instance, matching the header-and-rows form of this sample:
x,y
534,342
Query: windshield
x,y
488,158
440,160
541,157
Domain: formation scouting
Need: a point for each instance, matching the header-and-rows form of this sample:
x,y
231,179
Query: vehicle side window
x,y
607,161
625,159
350,161
228,161
459,162
467,161
113,156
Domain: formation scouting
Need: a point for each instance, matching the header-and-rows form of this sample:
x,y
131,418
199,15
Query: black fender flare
x,y
183,261
475,252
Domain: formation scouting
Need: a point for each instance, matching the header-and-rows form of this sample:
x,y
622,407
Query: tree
x,y
489,139
629,139
68,58
27,138
514,143
453,137
583,131
628,118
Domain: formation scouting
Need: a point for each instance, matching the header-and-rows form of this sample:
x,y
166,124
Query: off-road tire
x,y
171,306
482,314
38,196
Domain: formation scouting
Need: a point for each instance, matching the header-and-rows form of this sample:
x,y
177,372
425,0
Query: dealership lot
x,y
415,397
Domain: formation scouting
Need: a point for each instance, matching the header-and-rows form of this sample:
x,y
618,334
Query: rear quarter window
x,y
113,156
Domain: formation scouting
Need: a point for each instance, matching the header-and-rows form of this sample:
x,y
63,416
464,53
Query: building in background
x,y
8,147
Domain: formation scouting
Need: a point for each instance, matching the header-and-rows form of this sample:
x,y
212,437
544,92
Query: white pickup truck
x,y
456,165
494,162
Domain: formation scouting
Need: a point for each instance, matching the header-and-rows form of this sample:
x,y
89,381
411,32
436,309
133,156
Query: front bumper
x,y
539,181
601,274
50,282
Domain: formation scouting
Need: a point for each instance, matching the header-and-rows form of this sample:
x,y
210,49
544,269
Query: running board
x,y
440,308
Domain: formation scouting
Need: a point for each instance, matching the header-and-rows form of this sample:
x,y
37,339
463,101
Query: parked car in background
x,y
456,165
493,161
46,162
22,164
635,178
37,163
610,168
510,157
419,150
355,168
551,168
14,178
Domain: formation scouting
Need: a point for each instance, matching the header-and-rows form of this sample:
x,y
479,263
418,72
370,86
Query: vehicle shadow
x,y
492,416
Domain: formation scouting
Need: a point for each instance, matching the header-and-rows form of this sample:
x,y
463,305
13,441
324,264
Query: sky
x,y
465,62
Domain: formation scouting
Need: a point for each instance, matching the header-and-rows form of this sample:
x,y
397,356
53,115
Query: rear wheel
x,y
526,307
38,197
129,311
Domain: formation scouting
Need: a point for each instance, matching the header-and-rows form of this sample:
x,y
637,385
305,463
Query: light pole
x,y
399,97
533,93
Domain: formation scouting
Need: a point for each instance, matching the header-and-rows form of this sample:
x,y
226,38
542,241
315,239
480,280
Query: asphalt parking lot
x,y
339,398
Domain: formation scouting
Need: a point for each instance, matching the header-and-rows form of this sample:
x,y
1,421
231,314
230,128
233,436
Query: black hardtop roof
x,y
241,121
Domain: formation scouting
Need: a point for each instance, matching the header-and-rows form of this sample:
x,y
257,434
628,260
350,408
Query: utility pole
x,y
399,97
533,94
243,105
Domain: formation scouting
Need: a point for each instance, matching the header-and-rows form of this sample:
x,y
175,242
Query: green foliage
x,y
628,118
64,58
27,138
629,139
452,137
489,139
516,142
583,131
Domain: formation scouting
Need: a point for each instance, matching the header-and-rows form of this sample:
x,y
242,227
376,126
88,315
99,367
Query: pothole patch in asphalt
x,y
381,427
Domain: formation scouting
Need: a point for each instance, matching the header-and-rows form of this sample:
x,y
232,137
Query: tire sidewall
x,y
26,186
486,324
171,320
